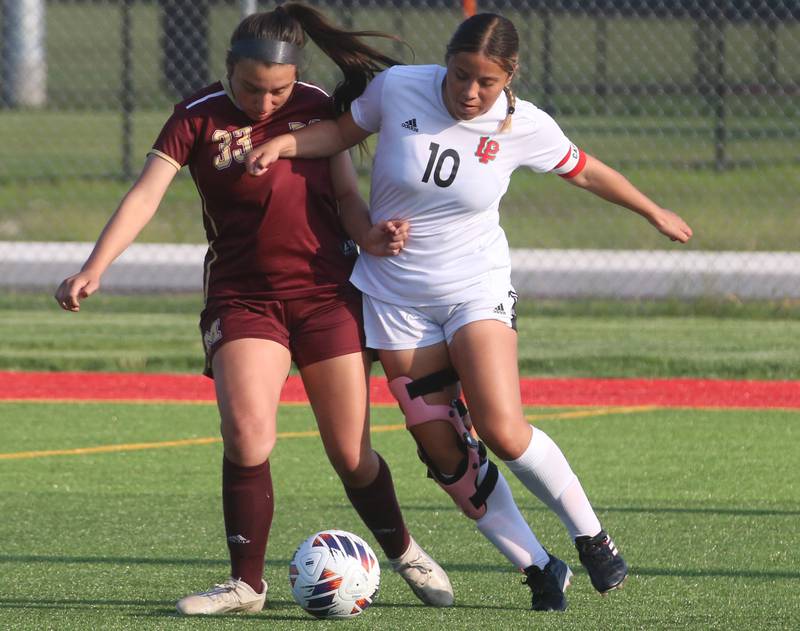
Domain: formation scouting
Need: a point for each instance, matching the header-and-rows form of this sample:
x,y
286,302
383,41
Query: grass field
x,y
109,532
702,502
594,339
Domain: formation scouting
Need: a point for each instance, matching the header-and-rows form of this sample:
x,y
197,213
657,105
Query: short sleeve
x,y
547,144
176,140
366,109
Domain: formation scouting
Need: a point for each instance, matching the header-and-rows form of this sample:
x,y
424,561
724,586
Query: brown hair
x,y
496,38
291,23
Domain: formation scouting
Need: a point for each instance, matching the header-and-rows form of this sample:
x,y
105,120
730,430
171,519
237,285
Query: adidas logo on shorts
x,y
411,124
499,309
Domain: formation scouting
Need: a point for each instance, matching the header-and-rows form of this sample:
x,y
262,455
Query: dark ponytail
x,y
292,21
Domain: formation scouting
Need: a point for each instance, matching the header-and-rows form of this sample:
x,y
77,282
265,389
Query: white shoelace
x,y
220,590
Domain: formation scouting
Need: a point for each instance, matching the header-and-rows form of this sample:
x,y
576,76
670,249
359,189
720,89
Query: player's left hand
x,y
670,224
259,160
386,238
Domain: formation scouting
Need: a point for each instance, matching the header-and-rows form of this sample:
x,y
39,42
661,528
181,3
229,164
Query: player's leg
x,y
335,372
458,463
248,375
485,355
337,389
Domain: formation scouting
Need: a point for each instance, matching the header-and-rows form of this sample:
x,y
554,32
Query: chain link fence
x,y
696,102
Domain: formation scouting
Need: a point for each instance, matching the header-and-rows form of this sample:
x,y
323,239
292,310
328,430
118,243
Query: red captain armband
x,y
572,163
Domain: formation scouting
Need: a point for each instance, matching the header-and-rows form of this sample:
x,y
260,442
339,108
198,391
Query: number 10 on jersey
x,y
449,159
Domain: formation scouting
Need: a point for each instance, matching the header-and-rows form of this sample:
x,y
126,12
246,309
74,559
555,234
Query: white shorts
x,y
396,327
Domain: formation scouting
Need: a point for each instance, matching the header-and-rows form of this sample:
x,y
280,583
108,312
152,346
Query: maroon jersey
x,y
276,236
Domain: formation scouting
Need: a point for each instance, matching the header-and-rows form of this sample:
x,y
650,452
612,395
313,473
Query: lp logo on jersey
x,y
487,150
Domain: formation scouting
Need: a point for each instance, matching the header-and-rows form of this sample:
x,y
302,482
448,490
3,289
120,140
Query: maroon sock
x,y
247,504
377,505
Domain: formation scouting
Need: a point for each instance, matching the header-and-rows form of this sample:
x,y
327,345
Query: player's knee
x,y
430,425
465,478
507,439
355,469
440,443
248,435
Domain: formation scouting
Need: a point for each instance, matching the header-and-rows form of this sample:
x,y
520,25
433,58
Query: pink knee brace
x,y
463,486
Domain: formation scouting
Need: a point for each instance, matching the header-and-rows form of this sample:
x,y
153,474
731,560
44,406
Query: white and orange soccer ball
x,y
334,574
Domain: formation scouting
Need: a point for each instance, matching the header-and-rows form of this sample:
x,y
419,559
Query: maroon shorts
x,y
314,328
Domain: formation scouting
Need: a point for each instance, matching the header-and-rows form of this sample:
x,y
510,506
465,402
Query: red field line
x,y
697,393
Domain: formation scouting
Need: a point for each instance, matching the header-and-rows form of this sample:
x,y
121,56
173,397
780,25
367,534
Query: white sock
x,y
545,472
506,528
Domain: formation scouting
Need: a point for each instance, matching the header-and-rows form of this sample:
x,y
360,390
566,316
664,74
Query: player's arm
x,y
385,238
320,140
611,185
134,212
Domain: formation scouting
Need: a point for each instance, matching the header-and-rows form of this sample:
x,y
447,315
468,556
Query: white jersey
x,y
445,176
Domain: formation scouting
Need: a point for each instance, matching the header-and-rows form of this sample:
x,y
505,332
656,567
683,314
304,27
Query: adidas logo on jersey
x,y
349,248
411,124
295,125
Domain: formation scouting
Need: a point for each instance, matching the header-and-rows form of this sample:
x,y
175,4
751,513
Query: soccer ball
x,y
334,574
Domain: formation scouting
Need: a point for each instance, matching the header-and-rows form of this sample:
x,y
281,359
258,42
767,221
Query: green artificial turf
x,y
703,503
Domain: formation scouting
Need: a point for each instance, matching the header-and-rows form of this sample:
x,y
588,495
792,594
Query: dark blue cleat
x,y
605,565
548,585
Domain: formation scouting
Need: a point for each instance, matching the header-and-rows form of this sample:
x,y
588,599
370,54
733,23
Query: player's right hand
x,y
258,161
74,289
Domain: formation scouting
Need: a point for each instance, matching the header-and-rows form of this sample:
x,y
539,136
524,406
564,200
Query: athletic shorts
x,y
396,327
313,328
